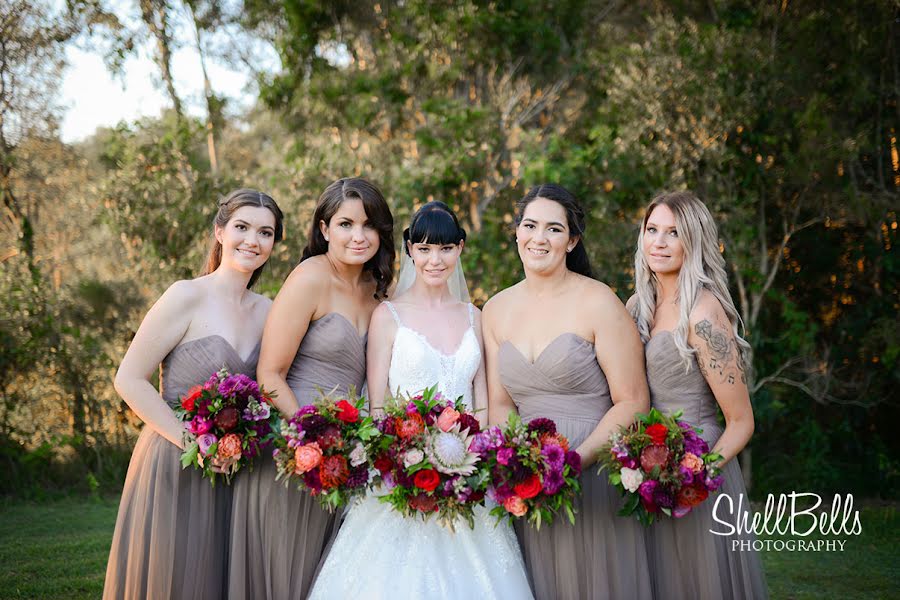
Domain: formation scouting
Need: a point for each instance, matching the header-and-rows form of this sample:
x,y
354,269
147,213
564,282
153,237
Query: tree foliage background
x,y
782,116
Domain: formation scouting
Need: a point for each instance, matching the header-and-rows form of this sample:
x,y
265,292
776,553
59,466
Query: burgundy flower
x,y
469,422
654,455
227,418
663,498
542,425
313,424
312,481
359,476
573,459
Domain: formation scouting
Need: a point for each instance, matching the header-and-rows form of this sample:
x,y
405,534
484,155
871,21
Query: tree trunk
x,y
211,109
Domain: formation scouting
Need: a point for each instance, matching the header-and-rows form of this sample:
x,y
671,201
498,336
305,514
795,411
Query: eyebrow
x,y
652,224
250,224
557,223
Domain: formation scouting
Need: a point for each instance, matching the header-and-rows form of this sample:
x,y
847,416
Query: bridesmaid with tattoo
x,y
695,363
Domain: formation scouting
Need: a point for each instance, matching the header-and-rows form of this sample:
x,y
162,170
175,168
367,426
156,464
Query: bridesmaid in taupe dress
x,y
315,336
172,531
560,345
695,363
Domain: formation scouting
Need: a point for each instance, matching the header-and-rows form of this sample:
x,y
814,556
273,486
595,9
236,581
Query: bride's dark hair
x,y
433,223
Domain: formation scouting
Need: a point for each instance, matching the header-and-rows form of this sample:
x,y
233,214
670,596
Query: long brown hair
x,y
227,207
382,264
577,260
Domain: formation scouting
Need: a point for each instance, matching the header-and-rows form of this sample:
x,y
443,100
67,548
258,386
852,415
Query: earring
x,y
569,250
326,238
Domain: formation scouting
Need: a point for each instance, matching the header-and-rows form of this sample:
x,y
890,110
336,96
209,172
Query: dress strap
x,y
394,313
471,315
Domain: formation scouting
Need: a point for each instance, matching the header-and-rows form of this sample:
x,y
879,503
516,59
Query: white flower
x,y
448,451
358,455
413,457
631,479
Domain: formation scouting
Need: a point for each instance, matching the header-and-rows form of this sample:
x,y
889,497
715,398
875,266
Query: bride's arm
x,y
500,403
382,331
621,356
479,383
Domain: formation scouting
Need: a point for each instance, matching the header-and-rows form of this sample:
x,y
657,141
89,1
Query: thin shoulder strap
x,y
393,312
471,315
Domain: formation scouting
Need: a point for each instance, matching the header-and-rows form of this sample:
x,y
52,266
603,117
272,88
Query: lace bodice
x,y
416,364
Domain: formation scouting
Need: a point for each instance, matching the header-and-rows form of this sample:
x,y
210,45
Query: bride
x,y
430,334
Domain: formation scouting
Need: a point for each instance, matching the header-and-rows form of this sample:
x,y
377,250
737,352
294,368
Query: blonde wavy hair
x,y
703,268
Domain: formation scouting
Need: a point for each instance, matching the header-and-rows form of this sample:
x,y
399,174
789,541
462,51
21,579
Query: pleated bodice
x,y
672,389
193,362
332,354
564,383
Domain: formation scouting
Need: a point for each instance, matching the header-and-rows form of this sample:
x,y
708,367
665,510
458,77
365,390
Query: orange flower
x,y
515,505
447,419
692,495
409,427
333,471
307,457
229,446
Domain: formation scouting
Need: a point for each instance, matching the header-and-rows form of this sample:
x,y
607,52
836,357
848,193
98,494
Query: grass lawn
x,y
59,550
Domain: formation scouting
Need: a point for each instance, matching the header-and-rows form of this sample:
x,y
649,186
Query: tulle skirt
x,y
172,531
278,536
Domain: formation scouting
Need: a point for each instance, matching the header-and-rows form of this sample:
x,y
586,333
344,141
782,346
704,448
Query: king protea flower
x,y
448,451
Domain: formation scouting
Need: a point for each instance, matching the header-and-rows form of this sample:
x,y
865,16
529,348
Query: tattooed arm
x,y
720,362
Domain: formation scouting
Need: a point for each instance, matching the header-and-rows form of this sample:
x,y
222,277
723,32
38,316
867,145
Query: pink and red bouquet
x,y
324,448
531,471
228,420
661,465
424,459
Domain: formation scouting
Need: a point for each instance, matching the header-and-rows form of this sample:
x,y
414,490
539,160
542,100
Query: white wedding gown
x,y
378,553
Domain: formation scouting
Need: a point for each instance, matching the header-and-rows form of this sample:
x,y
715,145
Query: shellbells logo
x,y
794,514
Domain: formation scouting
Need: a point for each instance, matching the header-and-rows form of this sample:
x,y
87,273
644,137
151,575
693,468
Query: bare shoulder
x,y
707,310
312,273
184,294
381,317
596,294
261,304
500,301
631,303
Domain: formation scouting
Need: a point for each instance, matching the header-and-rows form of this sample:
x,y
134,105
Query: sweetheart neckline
x,y
547,347
227,343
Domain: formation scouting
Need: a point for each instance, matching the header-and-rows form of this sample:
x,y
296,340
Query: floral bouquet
x,y
424,459
531,471
324,449
661,465
228,418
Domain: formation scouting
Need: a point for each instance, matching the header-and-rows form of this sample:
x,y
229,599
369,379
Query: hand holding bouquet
x,y
532,472
324,449
424,458
228,421
661,465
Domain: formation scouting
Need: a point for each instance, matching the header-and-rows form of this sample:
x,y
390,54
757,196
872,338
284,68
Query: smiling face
x,y
661,246
543,236
434,262
352,238
247,238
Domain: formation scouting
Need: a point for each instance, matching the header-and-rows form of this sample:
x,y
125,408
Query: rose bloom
x,y
427,479
307,457
409,427
692,462
631,479
205,441
654,456
529,488
658,433
447,419
384,464
515,505
347,412
187,403
413,457
229,446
